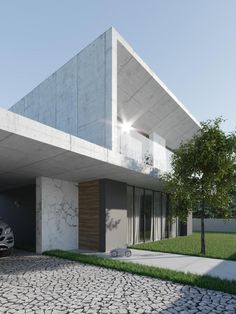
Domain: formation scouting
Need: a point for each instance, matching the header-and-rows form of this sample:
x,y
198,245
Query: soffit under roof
x,y
144,101
29,149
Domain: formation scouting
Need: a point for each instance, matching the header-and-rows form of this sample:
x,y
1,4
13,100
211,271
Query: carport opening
x,y
18,209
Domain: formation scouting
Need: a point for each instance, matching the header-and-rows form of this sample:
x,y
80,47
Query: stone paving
x,y
40,284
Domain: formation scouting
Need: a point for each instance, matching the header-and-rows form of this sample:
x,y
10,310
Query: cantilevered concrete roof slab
x,y
29,149
145,102
105,81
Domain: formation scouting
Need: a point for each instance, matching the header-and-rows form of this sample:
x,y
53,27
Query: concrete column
x,y
56,214
187,228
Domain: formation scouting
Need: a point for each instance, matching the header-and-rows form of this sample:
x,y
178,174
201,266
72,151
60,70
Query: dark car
x,y
6,239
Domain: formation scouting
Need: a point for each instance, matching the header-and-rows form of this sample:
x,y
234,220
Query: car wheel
x,y
114,254
128,253
6,253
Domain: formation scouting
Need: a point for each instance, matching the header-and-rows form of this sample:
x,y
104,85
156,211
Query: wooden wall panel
x,y
90,215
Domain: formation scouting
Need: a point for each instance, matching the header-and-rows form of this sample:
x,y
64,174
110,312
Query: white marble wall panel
x,y
56,214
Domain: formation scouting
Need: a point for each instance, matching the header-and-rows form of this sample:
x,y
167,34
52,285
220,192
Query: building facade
x,y
90,143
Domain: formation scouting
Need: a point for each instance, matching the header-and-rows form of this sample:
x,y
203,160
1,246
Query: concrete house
x,y
81,155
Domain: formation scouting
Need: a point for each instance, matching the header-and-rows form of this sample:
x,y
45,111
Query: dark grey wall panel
x,y
116,222
17,208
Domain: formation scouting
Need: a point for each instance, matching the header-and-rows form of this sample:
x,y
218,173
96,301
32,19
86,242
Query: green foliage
x,y
220,245
232,208
204,172
154,272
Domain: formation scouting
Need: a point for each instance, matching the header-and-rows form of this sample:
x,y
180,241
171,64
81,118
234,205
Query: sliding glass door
x,y
139,215
130,214
164,217
143,215
148,216
157,215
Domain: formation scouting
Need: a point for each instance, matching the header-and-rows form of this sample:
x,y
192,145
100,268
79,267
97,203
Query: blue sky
x,y
191,45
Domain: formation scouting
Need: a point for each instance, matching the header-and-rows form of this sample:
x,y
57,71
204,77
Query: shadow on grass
x,y
233,256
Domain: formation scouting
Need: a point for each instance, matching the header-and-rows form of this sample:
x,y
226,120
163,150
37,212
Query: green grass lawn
x,y
218,245
150,271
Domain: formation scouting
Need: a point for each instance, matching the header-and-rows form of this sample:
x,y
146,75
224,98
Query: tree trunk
x,y
203,246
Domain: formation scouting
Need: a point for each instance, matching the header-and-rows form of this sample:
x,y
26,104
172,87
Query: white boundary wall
x,y
214,224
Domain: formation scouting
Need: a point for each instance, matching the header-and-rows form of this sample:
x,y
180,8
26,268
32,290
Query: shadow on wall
x,y
115,204
115,210
17,208
111,223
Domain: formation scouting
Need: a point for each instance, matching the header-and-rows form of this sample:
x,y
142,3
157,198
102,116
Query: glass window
x,y
147,216
157,216
173,221
173,227
130,214
164,216
139,215
148,213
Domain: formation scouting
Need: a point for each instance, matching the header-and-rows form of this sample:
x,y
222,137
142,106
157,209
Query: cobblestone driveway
x,y
39,284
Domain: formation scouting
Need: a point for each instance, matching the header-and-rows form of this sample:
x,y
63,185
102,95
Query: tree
x,y
203,174
233,206
217,212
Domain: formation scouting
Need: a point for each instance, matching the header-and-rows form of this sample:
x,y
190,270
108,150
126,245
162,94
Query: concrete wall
x,y
77,98
185,229
56,214
17,208
115,204
190,224
217,225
